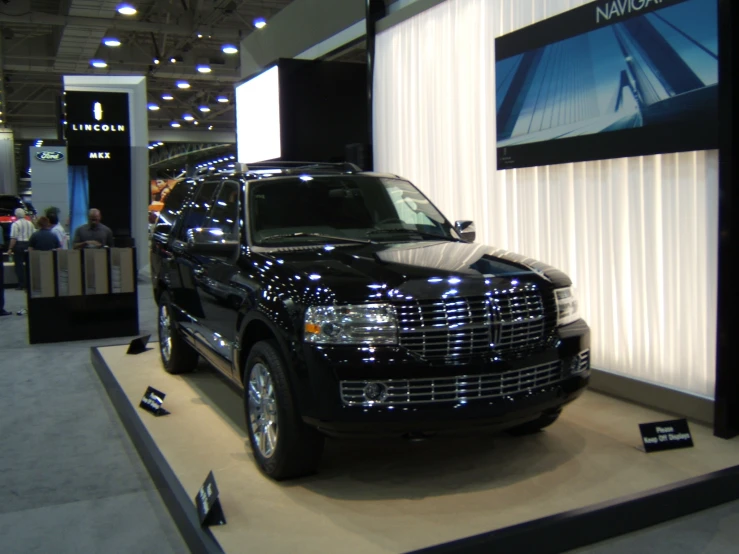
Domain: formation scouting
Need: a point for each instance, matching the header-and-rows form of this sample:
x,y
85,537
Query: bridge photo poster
x,y
610,79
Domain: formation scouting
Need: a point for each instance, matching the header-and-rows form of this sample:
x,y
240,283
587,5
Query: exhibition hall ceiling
x,y
166,40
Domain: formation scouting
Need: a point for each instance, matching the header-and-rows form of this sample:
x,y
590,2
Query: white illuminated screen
x,y
258,118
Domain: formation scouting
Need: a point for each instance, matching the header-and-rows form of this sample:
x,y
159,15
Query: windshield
x,y
309,209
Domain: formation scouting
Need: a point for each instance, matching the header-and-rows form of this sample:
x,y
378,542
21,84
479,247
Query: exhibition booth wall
x,y
117,171
637,235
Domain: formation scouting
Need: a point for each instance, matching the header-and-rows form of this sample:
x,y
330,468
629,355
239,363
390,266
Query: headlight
x,y
351,324
568,310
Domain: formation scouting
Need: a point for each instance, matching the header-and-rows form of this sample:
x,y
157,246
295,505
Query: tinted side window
x,y
198,208
172,207
225,213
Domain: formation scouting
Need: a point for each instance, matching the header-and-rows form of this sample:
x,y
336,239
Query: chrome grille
x,y
584,364
451,389
448,328
505,323
519,320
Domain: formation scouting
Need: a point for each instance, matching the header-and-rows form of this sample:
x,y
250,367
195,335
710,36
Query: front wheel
x,y
177,356
284,446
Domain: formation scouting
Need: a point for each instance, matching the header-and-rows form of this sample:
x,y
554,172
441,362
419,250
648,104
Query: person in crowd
x,y
93,234
44,238
57,228
3,312
20,234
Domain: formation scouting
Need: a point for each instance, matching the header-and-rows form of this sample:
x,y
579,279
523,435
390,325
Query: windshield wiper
x,y
423,234
316,235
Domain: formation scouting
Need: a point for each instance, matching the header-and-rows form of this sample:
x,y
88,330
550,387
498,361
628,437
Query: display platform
x,y
393,495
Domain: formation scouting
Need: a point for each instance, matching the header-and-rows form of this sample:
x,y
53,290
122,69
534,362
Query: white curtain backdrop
x,y
638,236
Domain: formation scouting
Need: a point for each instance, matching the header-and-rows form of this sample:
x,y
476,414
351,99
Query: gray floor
x,y
72,481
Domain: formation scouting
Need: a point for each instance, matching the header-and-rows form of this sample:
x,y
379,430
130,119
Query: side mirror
x,y
161,229
211,242
466,230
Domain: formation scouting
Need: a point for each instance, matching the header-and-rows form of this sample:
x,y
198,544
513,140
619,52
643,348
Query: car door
x,y
218,284
189,265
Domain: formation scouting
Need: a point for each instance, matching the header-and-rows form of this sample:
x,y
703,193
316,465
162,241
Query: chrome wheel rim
x,y
165,334
262,406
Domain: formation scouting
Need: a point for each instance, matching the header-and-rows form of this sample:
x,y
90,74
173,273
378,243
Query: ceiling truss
x,y
42,40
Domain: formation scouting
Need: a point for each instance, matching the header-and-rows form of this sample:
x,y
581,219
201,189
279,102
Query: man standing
x,y
57,228
20,234
93,234
44,239
3,312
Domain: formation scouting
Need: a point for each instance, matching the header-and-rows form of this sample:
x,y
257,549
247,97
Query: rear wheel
x,y
177,356
534,426
284,446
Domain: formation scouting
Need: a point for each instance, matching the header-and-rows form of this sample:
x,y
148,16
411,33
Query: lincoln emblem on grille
x,y
507,322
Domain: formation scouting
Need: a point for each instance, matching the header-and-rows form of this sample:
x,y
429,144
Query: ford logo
x,y
47,156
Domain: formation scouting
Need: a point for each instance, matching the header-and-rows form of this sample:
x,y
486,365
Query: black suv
x,y
344,303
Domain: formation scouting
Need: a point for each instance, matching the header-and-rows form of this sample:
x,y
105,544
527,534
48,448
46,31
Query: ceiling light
x,y
260,22
196,122
188,117
172,60
175,124
153,107
210,127
151,148
204,109
223,99
167,96
229,49
183,84
111,41
98,63
156,61
126,9
203,68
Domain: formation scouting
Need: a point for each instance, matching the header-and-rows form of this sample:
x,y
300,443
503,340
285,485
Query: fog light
x,y
375,392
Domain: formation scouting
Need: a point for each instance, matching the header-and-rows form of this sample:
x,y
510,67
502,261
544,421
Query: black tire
x,y
534,426
180,357
296,448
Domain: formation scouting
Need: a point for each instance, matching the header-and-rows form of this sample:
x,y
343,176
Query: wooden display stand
x,y
82,295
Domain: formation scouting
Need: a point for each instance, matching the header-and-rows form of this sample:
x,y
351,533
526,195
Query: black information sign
x,y
152,402
137,346
666,435
98,133
208,504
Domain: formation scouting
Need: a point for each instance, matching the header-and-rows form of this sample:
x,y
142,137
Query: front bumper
x,y
368,391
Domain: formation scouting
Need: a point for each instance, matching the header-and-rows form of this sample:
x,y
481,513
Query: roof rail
x,y
285,168
294,167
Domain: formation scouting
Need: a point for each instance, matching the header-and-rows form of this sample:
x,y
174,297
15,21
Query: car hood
x,y
428,269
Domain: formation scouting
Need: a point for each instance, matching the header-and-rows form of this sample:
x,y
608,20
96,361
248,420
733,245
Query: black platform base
x,y
70,318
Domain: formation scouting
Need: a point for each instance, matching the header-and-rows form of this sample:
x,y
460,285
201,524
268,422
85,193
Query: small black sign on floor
x,y
152,402
137,346
666,435
208,504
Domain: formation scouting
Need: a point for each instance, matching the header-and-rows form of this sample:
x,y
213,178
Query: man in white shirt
x,y
20,234
57,228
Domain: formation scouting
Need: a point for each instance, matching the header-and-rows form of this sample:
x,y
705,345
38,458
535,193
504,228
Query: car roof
x,y
263,170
